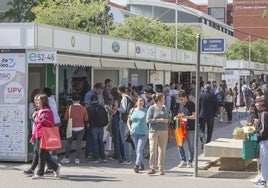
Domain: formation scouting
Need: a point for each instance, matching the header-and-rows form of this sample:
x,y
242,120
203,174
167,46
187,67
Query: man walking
x,y
208,107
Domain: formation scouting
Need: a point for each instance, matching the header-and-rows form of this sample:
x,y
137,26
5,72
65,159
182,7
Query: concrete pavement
x,y
112,174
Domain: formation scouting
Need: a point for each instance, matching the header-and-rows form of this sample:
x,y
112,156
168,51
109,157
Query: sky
x,y
123,2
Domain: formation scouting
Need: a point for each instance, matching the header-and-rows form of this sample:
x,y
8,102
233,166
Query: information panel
x,y
13,137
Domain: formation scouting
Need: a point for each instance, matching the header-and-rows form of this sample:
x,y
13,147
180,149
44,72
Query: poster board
x,y
13,109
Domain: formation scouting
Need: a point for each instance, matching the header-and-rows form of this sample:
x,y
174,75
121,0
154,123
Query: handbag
x,y
69,125
128,138
50,139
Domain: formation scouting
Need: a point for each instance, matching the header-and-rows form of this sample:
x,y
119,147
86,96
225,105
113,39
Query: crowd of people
x,y
146,113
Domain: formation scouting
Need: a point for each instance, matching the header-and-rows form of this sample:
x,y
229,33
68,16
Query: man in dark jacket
x,y
208,106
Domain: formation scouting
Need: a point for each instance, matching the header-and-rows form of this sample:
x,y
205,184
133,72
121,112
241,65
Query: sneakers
x,y
28,172
125,162
183,164
48,171
221,120
77,161
104,160
161,172
260,184
57,172
189,165
151,171
136,169
65,160
255,180
36,177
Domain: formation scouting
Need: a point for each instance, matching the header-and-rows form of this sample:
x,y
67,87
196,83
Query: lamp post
x,y
176,27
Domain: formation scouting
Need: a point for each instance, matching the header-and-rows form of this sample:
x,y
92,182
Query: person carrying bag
x,y
44,121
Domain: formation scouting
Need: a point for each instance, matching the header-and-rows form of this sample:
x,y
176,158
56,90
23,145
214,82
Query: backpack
x,y
100,116
130,105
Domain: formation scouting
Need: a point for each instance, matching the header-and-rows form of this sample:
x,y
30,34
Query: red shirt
x,y
78,114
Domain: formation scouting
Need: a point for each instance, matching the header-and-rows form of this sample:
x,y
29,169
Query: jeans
x,y
118,144
264,159
98,145
139,142
127,147
210,125
190,142
89,142
79,136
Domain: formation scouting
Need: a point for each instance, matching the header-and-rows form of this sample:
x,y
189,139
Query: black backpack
x,y
130,105
100,116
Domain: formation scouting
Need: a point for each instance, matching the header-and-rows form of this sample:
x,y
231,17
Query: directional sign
x,y
213,45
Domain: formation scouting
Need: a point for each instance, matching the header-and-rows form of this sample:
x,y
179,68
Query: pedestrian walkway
x,y
112,174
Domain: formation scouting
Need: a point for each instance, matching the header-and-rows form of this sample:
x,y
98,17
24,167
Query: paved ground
x,y
112,174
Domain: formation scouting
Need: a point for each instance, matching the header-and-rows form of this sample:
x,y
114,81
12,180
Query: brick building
x,y
248,19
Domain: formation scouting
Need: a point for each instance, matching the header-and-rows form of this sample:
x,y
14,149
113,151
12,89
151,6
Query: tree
x,y
265,14
241,50
152,31
238,50
88,16
20,11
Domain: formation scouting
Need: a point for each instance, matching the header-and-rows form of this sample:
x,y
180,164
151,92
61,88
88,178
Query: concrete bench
x,y
230,153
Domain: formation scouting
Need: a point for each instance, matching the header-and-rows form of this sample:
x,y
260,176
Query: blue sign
x,y
213,45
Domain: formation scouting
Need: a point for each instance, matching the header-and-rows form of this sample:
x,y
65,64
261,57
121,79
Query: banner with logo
x,y
13,102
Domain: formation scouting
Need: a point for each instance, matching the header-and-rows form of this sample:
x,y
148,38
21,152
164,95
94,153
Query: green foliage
x,y
83,15
155,32
258,51
20,11
265,14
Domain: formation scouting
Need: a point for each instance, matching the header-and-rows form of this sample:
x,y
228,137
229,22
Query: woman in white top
x,y
229,104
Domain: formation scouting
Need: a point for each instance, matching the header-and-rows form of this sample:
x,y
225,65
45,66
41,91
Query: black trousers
x,y
43,156
210,125
229,109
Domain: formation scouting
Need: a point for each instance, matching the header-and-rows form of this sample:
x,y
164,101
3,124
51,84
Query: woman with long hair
x,y
229,104
157,117
118,144
139,131
43,117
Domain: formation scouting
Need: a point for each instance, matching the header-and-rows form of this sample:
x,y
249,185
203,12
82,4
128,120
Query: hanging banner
x,y
13,123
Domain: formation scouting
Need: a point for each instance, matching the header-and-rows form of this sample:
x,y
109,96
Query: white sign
x,y
42,56
13,124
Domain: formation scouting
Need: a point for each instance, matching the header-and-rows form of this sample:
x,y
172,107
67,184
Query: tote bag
x,y
50,139
69,125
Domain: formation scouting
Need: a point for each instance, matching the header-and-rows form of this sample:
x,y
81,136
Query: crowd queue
x,y
139,116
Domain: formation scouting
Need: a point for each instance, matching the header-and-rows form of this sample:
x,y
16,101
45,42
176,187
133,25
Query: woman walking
x,y
229,104
157,118
43,118
138,130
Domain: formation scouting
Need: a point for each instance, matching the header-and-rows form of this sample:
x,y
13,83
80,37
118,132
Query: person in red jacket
x,y
42,118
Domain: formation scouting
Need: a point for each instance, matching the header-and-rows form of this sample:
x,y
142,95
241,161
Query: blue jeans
x,y
127,146
190,142
98,145
139,142
118,144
